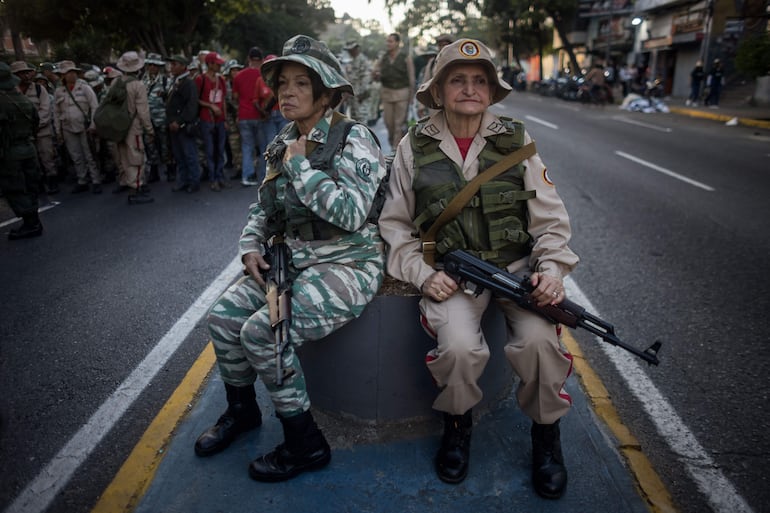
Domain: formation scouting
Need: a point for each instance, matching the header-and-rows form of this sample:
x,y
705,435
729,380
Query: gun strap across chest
x,y
454,207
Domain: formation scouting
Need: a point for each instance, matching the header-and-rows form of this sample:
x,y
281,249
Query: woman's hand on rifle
x,y
255,265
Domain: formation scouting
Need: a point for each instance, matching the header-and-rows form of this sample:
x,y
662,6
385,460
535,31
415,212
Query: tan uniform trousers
x,y
46,155
131,160
395,105
532,348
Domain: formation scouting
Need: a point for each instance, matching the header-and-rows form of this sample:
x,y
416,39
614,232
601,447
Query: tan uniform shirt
x,y
43,105
75,115
548,220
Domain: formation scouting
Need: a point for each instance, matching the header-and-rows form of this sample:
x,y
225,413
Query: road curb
x,y
650,485
695,113
137,472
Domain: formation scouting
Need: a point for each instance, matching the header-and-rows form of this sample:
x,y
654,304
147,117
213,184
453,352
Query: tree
x,y
285,20
753,56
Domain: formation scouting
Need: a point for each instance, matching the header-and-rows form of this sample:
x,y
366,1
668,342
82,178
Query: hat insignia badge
x,y
469,49
301,45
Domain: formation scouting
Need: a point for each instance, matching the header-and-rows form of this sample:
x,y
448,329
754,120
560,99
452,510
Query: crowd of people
x,y
194,119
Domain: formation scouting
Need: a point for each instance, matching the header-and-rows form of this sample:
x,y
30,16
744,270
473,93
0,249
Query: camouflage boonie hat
x,y
313,54
463,51
7,79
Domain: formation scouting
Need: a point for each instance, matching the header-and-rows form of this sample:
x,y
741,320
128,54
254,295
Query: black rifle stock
x,y
469,270
278,293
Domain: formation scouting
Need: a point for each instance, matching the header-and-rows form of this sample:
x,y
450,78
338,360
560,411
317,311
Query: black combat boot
x,y
52,184
454,453
549,475
304,448
139,197
171,172
154,174
242,415
32,227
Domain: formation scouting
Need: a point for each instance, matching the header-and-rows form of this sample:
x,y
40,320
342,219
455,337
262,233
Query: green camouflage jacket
x,y
344,203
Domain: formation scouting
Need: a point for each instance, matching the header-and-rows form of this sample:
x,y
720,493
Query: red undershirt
x,y
464,144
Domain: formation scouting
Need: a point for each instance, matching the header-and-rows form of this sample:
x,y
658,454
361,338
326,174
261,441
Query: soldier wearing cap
x,y
157,83
48,70
248,91
212,90
44,138
19,174
359,73
395,71
131,152
182,118
516,221
74,105
320,206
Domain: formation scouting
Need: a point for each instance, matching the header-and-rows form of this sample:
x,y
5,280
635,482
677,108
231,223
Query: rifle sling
x,y
462,198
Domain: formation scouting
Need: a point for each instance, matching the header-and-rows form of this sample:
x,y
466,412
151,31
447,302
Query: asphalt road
x,y
680,261
662,258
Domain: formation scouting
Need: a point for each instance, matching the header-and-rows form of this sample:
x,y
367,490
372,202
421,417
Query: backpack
x,y
112,119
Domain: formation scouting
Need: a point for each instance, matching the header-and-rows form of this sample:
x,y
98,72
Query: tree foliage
x,y
94,30
753,56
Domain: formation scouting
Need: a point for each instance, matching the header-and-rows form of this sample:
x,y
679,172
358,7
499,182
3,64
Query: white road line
x,y
711,482
41,209
542,122
641,123
39,494
665,171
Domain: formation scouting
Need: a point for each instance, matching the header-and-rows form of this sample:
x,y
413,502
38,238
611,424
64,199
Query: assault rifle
x,y
470,271
278,293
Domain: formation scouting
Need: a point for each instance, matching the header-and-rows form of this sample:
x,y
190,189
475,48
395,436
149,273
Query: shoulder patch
x,y
546,178
431,130
364,169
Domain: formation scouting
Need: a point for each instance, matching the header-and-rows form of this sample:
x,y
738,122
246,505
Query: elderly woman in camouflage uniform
x,y
321,207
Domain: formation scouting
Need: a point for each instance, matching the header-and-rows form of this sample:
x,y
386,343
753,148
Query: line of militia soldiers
x,y
68,150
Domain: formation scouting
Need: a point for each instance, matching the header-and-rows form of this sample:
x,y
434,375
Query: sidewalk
x,y
384,469
756,116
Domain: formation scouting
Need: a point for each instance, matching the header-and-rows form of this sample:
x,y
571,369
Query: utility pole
x,y
609,35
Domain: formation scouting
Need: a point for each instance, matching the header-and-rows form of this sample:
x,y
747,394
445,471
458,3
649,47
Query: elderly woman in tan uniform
x,y
516,221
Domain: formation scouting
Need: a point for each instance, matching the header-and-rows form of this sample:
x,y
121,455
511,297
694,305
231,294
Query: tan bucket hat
x,y
463,51
65,66
19,66
130,62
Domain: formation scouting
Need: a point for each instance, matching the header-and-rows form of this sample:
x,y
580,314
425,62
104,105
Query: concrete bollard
x,y
373,369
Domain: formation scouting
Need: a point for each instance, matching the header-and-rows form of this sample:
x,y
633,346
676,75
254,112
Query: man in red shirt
x,y
248,94
212,90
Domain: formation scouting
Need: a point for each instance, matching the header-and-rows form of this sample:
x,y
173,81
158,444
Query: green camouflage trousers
x,y
325,297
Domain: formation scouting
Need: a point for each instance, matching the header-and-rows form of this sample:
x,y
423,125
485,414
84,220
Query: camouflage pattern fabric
x,y
359,74
333,280
159,151
313,54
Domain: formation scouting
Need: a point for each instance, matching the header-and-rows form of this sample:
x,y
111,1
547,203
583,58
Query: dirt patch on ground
x,y
394,287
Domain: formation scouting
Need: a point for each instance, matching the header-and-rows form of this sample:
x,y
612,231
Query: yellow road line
x,y
138,471
649,483
693,113
136,475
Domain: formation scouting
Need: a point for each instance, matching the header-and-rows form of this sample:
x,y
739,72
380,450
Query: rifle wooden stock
x,y
278,295
468,270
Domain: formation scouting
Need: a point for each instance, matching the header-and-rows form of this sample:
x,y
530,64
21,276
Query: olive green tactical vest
x,y
18,126
493,225
394,75
286,214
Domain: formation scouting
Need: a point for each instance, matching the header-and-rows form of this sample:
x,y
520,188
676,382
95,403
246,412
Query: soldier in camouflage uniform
x,y
19,172
337,257
359,73
157,84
